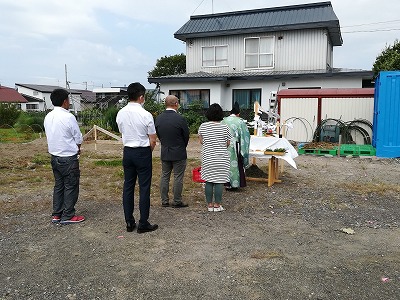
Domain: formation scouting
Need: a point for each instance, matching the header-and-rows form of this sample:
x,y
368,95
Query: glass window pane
x,y
208,56
266,60
251,61
255,96
246,98
242,97
205,96
251,45
266,45
221,55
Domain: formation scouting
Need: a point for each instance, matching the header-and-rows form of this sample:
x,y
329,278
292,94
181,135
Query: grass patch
x,y
370,187
41,159
262,254
108,163
10,135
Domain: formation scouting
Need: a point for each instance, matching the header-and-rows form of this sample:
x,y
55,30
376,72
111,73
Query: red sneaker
x,y
55,219
74,219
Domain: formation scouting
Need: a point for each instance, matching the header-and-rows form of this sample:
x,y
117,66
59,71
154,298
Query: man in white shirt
x,y
139,138
64,140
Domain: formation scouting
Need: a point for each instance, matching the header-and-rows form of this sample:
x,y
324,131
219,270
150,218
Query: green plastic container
x,y
357,150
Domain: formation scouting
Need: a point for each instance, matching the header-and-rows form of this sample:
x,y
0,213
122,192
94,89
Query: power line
x,y
198,6
375,23
372,30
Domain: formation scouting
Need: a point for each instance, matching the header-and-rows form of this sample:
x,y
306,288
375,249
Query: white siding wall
x,y
301,50
349,109
38,95
295,50
302,113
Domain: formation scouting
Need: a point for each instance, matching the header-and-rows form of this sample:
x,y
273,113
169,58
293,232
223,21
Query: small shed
x,y
307,108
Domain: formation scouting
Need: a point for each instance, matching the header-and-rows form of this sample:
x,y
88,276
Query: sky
x,y
102,43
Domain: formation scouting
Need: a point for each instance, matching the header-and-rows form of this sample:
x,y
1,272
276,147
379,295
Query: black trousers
x,y
66,185
137,163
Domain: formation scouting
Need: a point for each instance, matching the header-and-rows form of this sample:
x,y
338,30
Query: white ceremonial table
x,y
257,146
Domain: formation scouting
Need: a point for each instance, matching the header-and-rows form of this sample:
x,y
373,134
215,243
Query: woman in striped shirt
x,y
215,160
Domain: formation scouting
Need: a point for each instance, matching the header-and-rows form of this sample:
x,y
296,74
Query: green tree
x,y
151,105
389,59
9,114
169,65
194,115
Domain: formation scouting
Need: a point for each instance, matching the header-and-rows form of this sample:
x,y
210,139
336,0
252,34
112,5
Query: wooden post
x,y
282,162
95,137
256,108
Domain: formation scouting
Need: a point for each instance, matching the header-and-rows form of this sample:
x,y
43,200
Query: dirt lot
x,y
283,242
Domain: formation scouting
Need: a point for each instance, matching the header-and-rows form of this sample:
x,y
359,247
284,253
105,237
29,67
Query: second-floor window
x,y
259,52
215,56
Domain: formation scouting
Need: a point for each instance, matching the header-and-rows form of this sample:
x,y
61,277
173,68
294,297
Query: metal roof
x,y
294,17
47,88
9,95
327,93
262,75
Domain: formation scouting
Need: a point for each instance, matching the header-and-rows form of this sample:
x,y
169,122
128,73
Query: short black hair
x,y
235,110
58,96
214,112
135,90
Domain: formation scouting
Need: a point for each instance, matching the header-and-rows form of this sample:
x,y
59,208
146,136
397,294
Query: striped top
x,y
215,159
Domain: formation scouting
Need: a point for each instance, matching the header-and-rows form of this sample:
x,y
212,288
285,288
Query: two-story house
x,y
247,56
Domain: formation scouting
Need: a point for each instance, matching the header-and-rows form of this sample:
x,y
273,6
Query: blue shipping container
x,y
386,125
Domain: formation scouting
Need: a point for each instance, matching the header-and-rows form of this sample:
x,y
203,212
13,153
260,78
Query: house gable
x,y
294,17
9,95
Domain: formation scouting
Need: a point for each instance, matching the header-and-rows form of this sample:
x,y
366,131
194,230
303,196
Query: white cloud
x,y
119,41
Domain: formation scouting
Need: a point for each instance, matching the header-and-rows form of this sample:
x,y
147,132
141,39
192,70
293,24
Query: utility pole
x,y
66,77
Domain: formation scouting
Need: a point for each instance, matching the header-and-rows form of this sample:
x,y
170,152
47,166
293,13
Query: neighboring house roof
x,y
262,75
88,96
294,17
46,88
9,95
31,98
327,93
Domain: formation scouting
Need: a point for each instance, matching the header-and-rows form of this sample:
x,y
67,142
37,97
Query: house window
x,y
30,106
246,98
259,52
187,97
215,56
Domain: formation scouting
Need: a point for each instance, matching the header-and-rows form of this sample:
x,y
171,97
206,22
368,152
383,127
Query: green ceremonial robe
x,y
239,146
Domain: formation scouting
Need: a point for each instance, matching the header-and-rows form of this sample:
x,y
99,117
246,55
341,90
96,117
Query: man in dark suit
x,y
173,132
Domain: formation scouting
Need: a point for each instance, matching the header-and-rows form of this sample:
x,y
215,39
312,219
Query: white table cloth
x,y
259,143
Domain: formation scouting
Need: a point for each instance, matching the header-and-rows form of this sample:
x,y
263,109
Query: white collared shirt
x,y
62,132
135,124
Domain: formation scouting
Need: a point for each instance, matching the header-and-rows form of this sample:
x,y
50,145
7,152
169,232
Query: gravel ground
x,y
282,242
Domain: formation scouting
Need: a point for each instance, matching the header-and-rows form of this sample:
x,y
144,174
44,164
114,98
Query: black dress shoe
x,y
179,205
130,226
147,228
